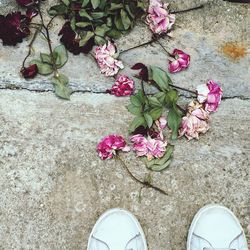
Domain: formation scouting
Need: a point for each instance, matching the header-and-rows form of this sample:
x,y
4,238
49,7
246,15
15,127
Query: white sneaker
x,y
215,227
117,229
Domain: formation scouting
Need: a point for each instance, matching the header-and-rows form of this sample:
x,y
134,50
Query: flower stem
x,y
187,10
138,46
184,89
46,28
169,54
30,46
144,183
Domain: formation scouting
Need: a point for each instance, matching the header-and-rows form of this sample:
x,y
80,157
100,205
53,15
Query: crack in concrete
x,y
105,92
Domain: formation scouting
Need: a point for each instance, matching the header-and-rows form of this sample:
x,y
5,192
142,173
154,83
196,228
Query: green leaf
x,y
156,113
149,119
158,168
137,122
174,121
59,9
154,102
85,3
83,24
43,68
66,2
116,6
125,19
95,3
135,101
46,58
134,110
61,55
97,15
100,40
129,11
114,33
118,23
101,30
171,97
168,154
83,13
60,84
85,39
161,78
161,97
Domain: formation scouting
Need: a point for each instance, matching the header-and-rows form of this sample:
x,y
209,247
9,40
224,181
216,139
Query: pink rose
x,y
159,126
182,61
106,58
123,86
210,94
108,146
195,122
151,148
158,18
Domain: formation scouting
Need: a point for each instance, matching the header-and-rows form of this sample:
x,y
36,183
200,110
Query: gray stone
x,y
54,187
206,34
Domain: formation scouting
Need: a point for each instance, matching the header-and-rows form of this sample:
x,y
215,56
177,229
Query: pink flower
x,y
123,86
182,61
158,18
109,145
151,148
195,122
106,58
158,127
210,94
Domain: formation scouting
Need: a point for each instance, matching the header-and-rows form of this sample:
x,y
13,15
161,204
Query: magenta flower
x,y
14,28
195,122
109,145
151,148
182,61
210,94
123,86
106,58
29,72
159,19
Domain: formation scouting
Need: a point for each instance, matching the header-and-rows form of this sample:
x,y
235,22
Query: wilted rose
x,y
181,61
109,145
123,86
29,72
158,18
106,58
210,94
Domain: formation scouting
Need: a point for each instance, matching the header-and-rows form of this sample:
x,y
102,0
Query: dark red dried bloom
x,y
29,72
13,28
143,71
71,40
27,3
141,130
30,13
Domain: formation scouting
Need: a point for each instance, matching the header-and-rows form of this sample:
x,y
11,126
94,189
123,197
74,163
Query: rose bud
x,y
29,72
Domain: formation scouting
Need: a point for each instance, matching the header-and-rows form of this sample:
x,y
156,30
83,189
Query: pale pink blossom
x,y
158,18
123,86
106,56
181,61
159,126
108,146
195,122
210,94
151,148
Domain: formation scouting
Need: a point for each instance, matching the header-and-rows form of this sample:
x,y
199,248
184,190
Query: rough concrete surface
x,y
53,185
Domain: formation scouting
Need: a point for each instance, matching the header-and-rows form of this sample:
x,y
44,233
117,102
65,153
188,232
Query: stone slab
x,y
215,37
54,187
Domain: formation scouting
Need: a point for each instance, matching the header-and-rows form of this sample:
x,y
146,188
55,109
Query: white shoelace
x,y
135,237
